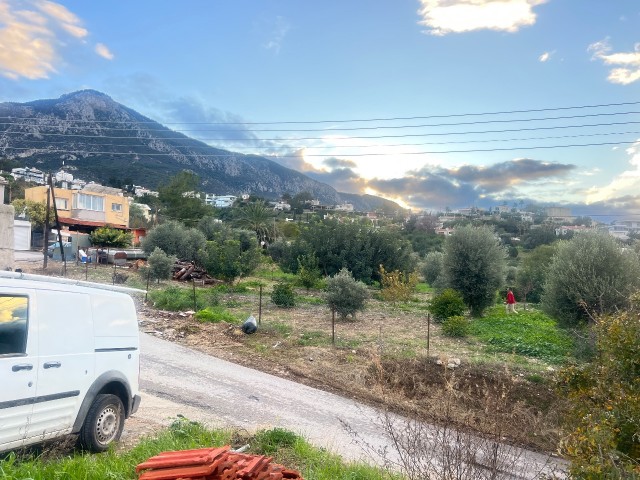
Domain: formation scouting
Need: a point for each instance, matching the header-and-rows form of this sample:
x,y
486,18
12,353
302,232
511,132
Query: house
x,y
221,201
29,175
345,207
282,206
84,210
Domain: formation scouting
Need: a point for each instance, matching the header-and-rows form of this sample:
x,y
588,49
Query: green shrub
x,y
345,294
179,299
215,315
456,326
283,295
447,304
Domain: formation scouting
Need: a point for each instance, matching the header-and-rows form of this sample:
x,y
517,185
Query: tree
x,y
110,237
345,295
160,265
137,219
232,254
180,200
36,212
532,273
544,235
590,275
308,271
604,398
432,267
173,238
258,217
397,286
474,263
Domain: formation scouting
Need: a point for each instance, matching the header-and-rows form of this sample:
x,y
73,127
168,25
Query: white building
x,y
345,207
222,201
282,206
29,175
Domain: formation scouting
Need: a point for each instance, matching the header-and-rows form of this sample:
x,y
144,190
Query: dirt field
x,y
380,358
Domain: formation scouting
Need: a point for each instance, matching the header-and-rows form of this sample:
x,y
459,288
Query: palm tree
x,y
258,217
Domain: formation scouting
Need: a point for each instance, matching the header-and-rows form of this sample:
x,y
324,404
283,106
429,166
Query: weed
x,y
215,315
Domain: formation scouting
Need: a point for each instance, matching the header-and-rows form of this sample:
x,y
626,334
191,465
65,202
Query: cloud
x,y
278,34
334,162
545,57
103,51
438,187
625,66
31,37
627,183
442,17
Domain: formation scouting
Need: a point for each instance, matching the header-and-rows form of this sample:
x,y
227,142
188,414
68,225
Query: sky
x,y
431,103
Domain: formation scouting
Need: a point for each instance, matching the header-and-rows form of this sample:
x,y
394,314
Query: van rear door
x,y
65,361
18,365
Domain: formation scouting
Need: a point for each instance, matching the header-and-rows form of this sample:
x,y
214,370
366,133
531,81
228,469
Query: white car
x,y
69,360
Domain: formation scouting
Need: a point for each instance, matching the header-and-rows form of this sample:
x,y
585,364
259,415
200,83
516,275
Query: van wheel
x,y
104,423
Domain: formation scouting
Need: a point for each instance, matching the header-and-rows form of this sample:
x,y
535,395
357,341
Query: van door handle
x,y
23,366
52,365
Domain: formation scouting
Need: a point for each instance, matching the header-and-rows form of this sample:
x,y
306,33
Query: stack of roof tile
x,y
213,464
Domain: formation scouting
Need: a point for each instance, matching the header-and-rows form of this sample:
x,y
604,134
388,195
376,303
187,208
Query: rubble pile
x,y
213,464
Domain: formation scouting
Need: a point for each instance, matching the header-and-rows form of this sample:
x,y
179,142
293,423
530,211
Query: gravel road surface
x,y
177,380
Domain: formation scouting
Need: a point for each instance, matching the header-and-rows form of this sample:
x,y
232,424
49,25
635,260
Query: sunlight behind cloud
x,y
627,183
30,38
626,65
442,17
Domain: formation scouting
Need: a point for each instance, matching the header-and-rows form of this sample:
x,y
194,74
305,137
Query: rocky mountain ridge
x,y
101,140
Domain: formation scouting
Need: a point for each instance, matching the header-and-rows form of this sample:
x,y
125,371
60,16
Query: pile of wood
x,y
187,271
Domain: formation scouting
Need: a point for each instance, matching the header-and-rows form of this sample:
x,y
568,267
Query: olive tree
x,y
474,264
160,265
345,294
174,238
589,275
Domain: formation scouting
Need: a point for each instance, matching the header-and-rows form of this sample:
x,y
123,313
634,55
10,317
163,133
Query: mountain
x,y
101,140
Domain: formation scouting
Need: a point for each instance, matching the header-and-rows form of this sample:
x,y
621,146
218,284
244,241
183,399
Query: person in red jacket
x,y
511,302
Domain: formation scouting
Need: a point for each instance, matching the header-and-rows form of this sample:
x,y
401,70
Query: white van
x,y
69,360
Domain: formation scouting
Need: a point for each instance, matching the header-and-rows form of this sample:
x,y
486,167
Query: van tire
x,y
104,423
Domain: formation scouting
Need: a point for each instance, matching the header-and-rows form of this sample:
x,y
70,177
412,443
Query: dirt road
x,y
176,380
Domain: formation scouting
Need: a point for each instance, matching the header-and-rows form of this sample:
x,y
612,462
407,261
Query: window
x,y
13,325
88,202
116,207
62,204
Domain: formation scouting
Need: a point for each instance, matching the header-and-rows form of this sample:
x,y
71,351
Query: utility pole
x,y
45,249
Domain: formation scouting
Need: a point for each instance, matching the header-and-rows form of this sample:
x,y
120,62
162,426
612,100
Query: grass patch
x,y
179,299
286,448
216,314
314,339
423,288
530,333
309,300
279,328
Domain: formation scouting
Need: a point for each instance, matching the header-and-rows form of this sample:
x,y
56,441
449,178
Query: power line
x,y
321,147
55,123
406,135
232,155
380,119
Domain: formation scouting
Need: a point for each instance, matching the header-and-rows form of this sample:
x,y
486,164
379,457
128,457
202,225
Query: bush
x,y
345,294
456,326
308,271
160,265
604,419
589,276
447,304
283,295
173,238
397,286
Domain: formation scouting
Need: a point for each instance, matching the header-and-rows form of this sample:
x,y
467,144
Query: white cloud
x,y
31,34
442,17
103,51
625,66
278,34
544,57
627,183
